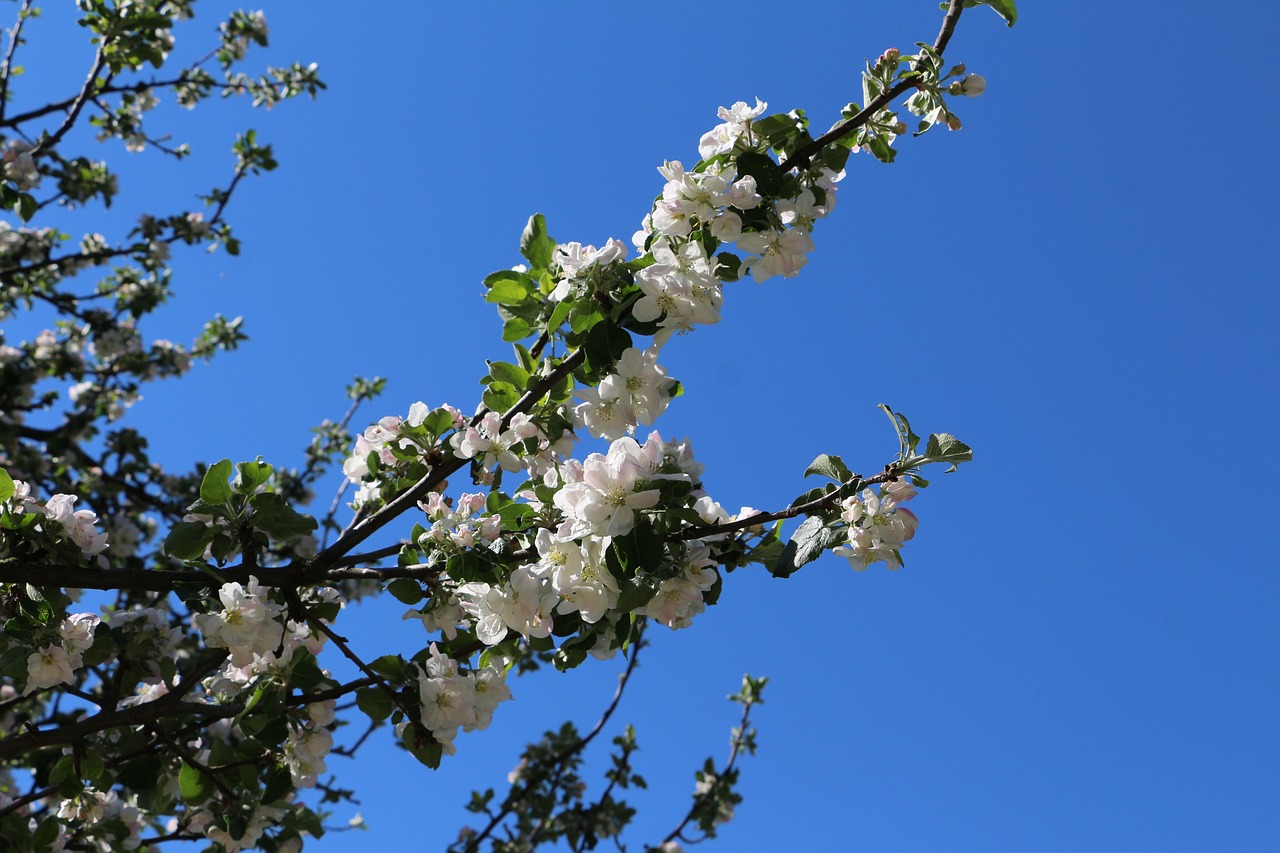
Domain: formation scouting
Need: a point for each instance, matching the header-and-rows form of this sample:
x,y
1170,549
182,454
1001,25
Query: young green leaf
x,y
1006,9
214,488
405,590
375,702
274,517
187,540
252,476
535,245
811,538
831,467
945,447
193,784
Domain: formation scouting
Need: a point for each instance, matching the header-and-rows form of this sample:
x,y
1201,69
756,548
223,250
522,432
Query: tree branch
x,y
138,715
473,843
735,747
99,61
15,36
438,473
800,158
807,508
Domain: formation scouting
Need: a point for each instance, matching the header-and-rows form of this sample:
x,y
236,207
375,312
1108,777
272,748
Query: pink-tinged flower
x,y
606,501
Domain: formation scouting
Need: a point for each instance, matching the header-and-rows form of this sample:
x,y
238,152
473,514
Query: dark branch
x,y
808,508
800,158
99,61
15,36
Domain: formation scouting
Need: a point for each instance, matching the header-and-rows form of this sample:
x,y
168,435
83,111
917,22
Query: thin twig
x,y
800,158
15,36
473,844
27,799
698,799
807,508
297,608
99,61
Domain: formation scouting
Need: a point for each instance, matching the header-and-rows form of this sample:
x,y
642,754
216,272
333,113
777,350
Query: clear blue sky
x,y
1081,653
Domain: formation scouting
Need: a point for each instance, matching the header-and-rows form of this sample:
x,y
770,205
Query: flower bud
x,y
971,86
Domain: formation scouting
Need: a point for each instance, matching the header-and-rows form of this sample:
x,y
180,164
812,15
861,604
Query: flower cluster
x,y
61,520
637,392
453,699
456,525
248,626
878,525
387,438
495,446
56,663
309,744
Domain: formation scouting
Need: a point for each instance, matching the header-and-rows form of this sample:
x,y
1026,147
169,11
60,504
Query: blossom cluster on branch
x,y
550,526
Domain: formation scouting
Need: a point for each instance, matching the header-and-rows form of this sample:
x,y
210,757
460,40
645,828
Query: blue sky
x,y
1081,651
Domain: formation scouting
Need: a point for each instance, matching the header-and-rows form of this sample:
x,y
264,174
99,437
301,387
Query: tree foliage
x,y
202,702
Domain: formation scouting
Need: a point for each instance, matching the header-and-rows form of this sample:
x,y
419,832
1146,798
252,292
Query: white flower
x,y
247,626
742,113
77,635
48,667
586,585
677,601
780,252
604,503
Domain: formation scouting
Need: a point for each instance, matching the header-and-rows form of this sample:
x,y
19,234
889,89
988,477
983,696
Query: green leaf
x,y
907,440
187,540
945,447
807,544
771,181
634,595
46,834
305,675
279,785
27,206
193,784
516,329
728,266
510,373
65,769
405,590
92,767
375,702
438,422
388,666
1006,9
419,741
140,774
605,344
536,246
560,313
500,396
35,607
214,488
831,467
274,517
7,488
252,475
508,287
